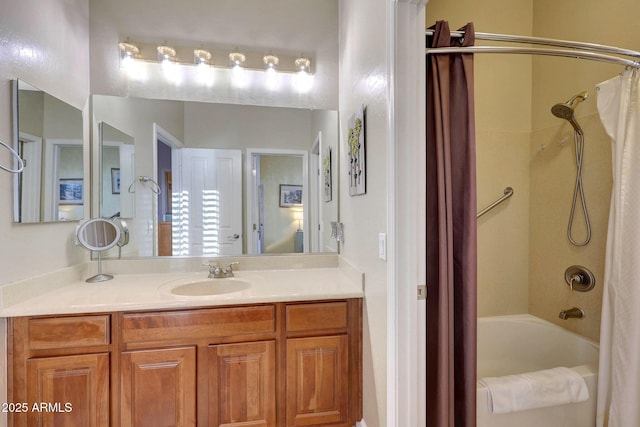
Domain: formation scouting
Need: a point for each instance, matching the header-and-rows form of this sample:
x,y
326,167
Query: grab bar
x,y
508,192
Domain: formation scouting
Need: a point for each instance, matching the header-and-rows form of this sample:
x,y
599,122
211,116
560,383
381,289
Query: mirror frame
x,y
83,241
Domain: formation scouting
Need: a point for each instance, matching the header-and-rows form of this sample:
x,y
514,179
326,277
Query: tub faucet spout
x,y
574,312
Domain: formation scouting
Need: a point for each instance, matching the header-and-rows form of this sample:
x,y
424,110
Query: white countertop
x,y
126,292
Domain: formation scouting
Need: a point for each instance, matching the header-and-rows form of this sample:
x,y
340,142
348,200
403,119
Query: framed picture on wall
x,y
71,191
356,153
290,196
115,180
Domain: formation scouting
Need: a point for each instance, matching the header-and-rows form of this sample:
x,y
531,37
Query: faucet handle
x,y
228,271
215,270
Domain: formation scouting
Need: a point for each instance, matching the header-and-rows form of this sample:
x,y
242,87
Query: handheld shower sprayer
x,y
566,111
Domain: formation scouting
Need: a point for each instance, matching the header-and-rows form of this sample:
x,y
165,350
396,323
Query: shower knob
x,y
579,278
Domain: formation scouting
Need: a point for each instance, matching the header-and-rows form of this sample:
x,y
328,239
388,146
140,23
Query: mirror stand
x,y
100,277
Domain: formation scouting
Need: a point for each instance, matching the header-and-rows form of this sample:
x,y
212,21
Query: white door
x,y
127,160
260,219
209,212
30,184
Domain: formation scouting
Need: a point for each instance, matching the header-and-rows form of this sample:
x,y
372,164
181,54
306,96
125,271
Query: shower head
x,y
566,110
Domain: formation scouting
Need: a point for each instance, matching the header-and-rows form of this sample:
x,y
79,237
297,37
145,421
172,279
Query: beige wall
x,y
518,137
47,45
552,182
553,169
503,123
280,226
363,81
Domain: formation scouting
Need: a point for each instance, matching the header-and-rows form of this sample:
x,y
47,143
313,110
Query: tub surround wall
x,y
555,80
539,286
552,181
503,233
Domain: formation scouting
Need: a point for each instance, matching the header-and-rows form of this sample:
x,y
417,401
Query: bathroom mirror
x,y
117,159
48,135
99,235
252,151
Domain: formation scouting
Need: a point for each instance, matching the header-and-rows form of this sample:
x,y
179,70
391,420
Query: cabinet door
x,y
158,388
242,385
68,391
317,380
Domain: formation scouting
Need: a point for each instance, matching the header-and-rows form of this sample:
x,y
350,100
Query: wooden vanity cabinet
x,y
158,387
242,384
233,371
59,371
262,365
323,364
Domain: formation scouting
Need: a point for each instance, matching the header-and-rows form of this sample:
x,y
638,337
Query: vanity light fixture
x,y
166,54
303,64
201,57
209,61
237,59
128,50
270,61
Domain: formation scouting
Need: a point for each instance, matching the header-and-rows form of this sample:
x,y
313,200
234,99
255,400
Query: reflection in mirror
x,y
48,137
99,235
199,154
117,159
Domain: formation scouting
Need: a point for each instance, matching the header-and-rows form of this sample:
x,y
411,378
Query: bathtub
x,y
523,343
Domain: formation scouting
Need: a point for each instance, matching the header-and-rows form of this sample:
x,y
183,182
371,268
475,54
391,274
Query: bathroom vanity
x,y
282,361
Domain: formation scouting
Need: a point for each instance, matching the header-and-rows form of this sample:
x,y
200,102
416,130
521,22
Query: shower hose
x,y
578,191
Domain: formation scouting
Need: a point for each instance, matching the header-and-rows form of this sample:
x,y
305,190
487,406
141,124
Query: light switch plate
x,y
382,246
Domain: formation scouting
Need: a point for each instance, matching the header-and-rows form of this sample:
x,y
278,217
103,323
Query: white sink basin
x,y
208,287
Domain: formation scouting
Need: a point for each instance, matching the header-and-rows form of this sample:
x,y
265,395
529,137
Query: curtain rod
x,y
537,51
547,42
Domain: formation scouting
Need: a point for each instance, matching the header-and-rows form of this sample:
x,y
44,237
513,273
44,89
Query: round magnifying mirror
x,y
99,235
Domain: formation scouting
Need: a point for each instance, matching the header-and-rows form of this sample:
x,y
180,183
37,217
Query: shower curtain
x,y
619,371
451,234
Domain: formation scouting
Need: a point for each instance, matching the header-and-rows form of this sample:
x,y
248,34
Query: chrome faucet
x,y
574,312
217,272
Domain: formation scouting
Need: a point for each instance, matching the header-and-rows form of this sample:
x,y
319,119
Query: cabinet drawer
x,y
196,324
67,332
316,317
